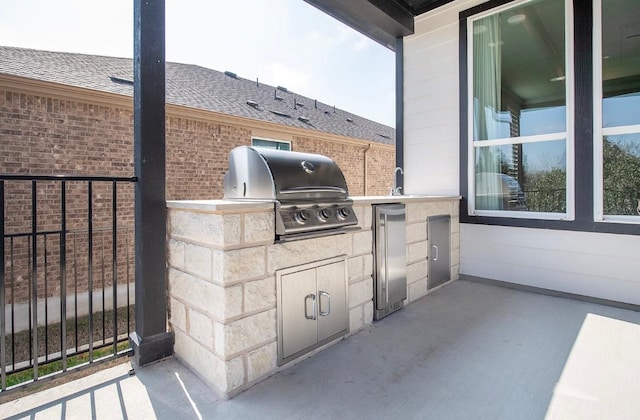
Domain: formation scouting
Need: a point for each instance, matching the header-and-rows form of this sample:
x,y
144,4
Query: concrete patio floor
x,y
467,351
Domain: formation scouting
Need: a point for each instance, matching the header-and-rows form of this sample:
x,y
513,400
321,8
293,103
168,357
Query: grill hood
x,y
268,174
309,190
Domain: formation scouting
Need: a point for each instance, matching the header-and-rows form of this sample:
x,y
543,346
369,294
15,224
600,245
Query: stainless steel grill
x,y
309,190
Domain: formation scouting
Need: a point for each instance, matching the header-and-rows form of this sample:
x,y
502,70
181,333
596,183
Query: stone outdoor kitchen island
x,y
223,270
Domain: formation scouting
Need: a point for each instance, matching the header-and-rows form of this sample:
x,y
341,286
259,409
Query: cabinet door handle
x,y
435,247
385,284
328,296
306,306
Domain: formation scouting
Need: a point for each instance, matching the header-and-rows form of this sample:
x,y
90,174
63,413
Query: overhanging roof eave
x,y
384,23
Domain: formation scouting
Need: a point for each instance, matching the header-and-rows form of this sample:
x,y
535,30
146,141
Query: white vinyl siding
x,y
600,265
431,105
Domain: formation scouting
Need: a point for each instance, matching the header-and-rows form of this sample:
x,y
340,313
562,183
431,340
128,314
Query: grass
x,y
19,345
49,368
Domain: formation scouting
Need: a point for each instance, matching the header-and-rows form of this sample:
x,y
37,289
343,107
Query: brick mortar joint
x,y
247,314
188,306
245,352
418,260
425,278
360,304
366,277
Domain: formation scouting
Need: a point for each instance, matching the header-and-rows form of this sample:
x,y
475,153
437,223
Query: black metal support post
x,y
151,341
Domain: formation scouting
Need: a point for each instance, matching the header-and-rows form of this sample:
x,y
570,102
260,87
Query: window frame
x,y
568,135
599,131
583,131
276,141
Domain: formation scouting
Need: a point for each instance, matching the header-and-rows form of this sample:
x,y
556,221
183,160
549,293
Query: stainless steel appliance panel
x,y
439,239
312,306
390,258
299,311
332,300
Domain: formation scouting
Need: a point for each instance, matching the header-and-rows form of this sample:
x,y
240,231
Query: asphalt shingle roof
x,y
197,87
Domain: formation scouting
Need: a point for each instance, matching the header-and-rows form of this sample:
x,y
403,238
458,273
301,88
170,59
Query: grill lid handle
x,y
327,189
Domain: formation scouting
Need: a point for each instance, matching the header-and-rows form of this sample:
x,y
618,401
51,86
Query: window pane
x,y
519,71
622,174
271,144
522,177
620,62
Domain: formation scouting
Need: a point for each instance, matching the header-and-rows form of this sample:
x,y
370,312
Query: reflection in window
x,y
621,157
519,88
621,107
519,67
538,185
543,120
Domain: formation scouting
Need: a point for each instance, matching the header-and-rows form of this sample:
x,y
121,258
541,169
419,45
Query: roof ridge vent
x,y
282,88
280,114
231,74
120,80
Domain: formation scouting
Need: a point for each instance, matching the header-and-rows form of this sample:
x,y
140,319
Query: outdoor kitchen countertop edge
x,y
381,199
220,205
231,205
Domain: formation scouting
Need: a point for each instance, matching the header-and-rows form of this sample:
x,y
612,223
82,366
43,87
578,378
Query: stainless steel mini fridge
x,y
390,271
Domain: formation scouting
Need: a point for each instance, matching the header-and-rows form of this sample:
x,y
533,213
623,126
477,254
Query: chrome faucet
x,y
396,190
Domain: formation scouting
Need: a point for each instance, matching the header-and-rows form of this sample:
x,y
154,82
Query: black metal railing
x,y
66,240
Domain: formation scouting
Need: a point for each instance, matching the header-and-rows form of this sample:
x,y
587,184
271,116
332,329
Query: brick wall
x,y
46,135
351,160
197,157
380,166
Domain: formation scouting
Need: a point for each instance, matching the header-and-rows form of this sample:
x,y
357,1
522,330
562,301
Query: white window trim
x,y
598,147
599,131
568,136
269,139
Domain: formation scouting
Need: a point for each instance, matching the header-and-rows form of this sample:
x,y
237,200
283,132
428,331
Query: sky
x,y
281,42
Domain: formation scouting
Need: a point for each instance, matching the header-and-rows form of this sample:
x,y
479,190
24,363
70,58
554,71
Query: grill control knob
x,y
324,215
344,213
302,216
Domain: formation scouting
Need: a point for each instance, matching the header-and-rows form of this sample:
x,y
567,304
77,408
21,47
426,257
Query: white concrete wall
x,y
599,265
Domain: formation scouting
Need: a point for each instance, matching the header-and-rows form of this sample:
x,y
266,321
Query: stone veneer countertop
x,y
235,205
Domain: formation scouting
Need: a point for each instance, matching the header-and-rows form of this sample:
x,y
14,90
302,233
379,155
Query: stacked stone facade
x,y
222,288
223,266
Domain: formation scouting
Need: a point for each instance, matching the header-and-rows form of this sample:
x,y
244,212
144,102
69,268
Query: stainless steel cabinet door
x,y
439,239
299,311
332,302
